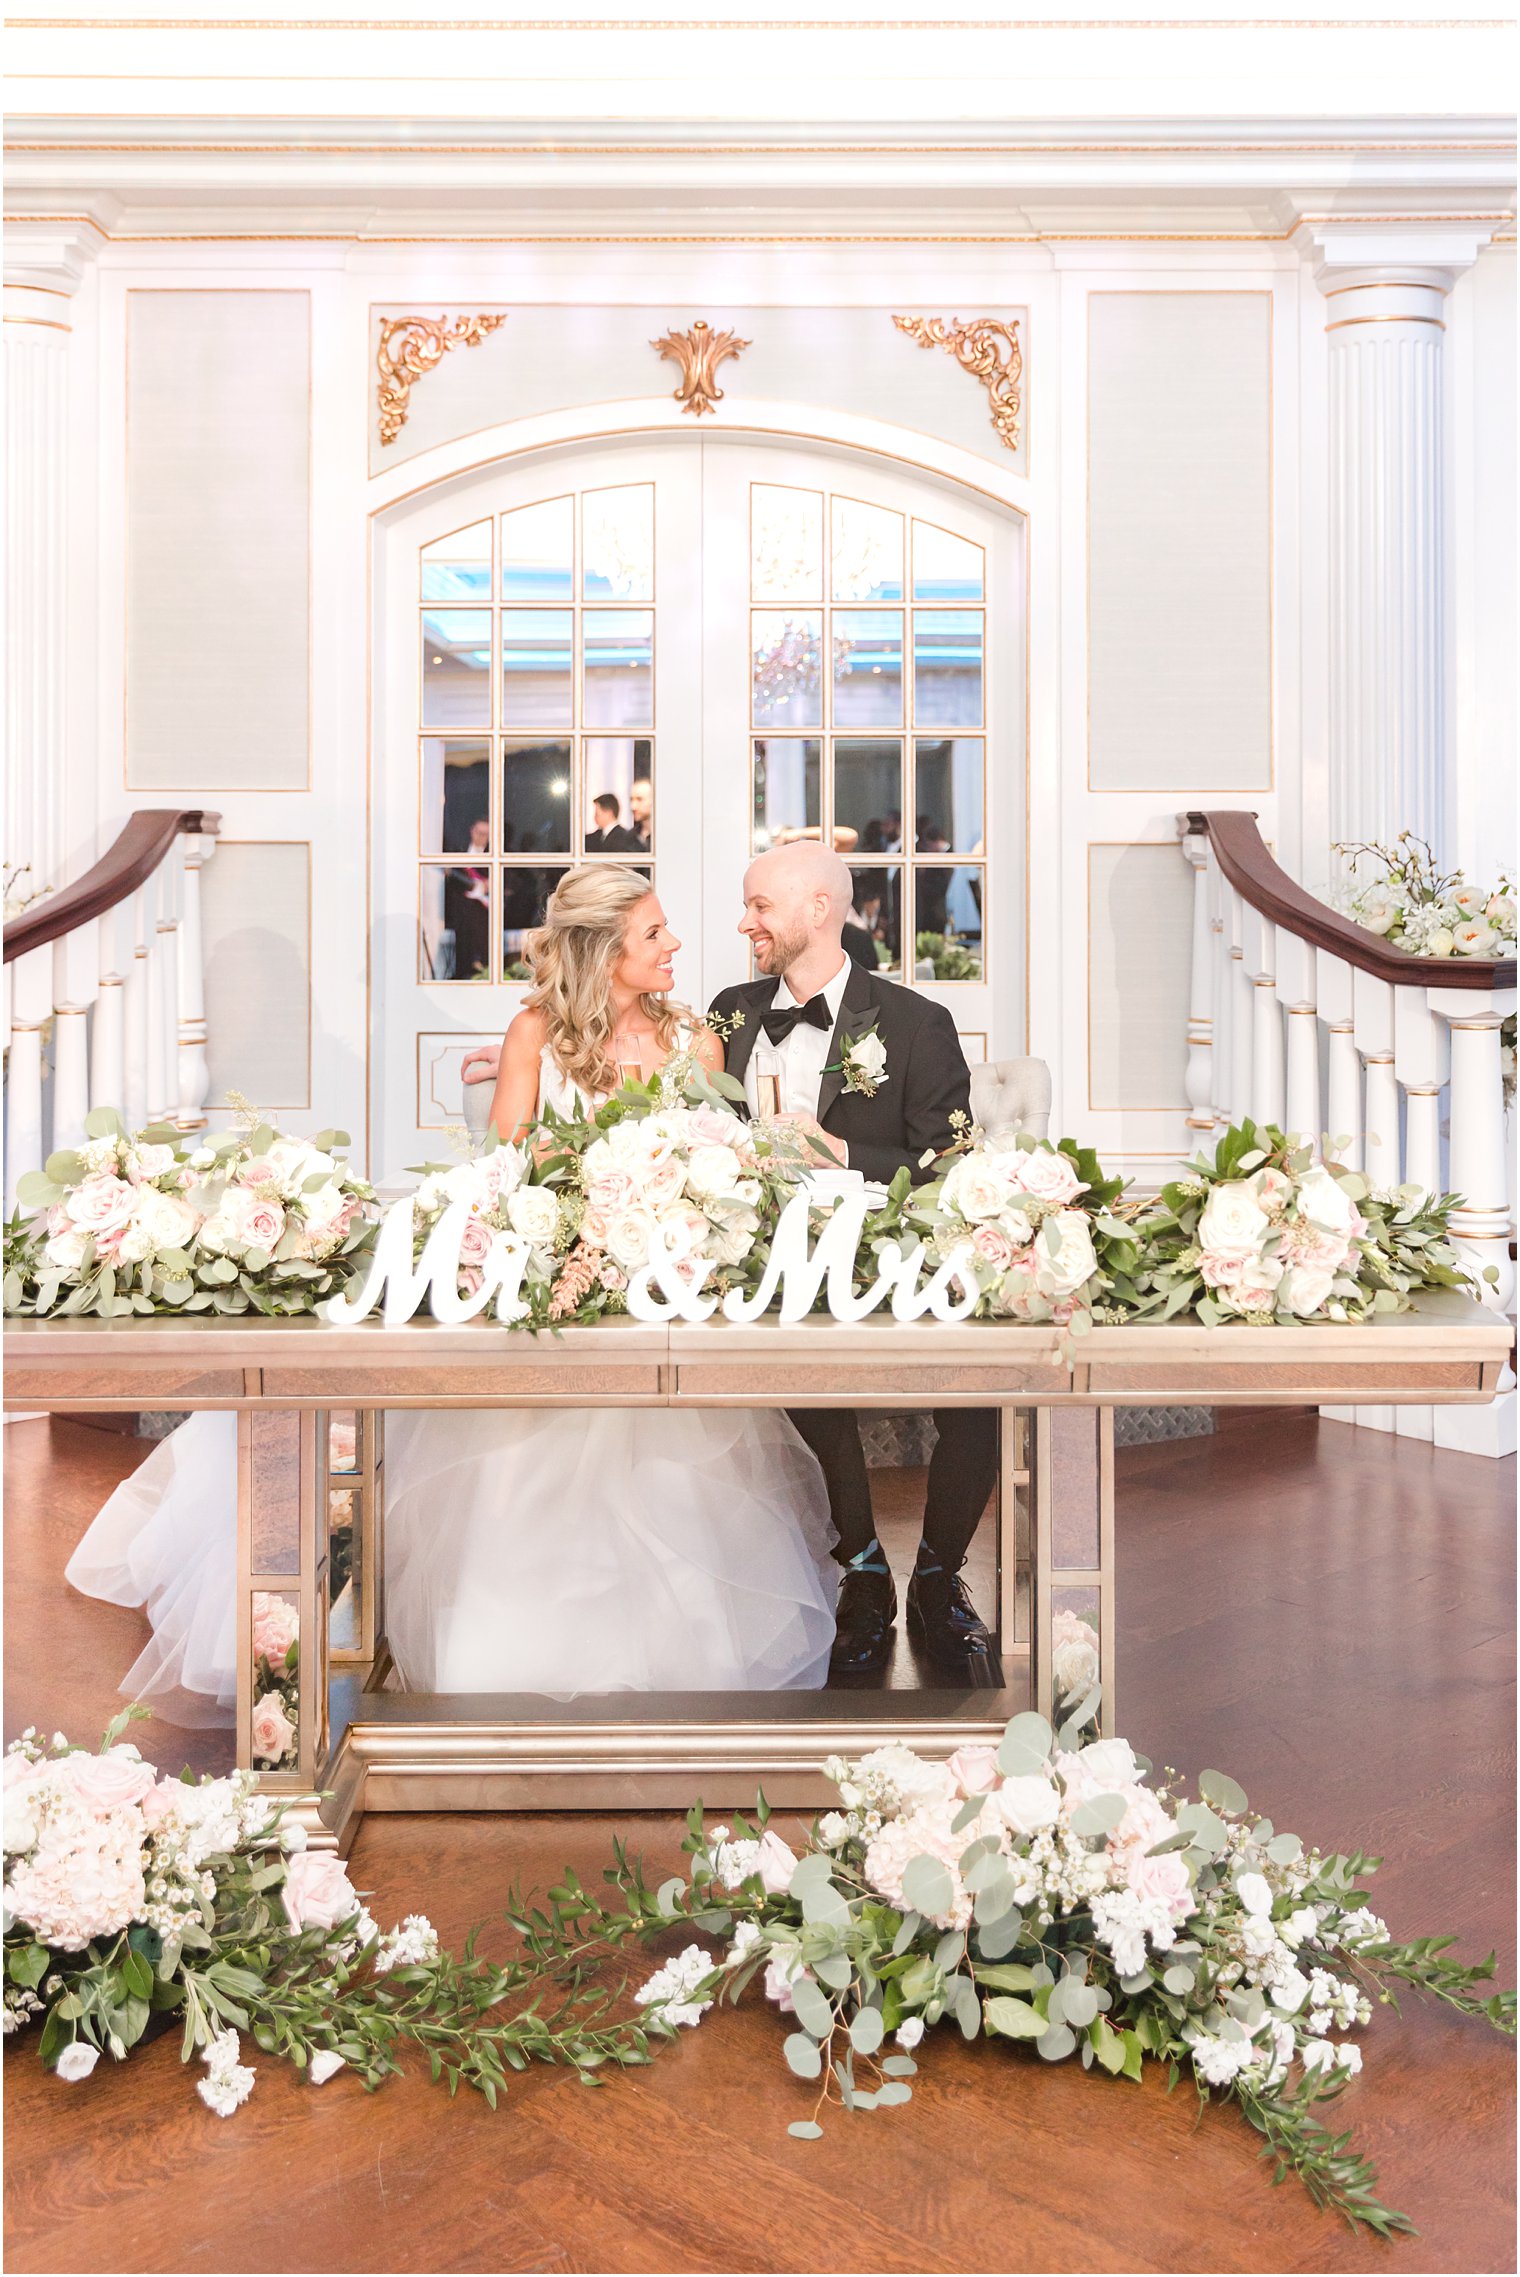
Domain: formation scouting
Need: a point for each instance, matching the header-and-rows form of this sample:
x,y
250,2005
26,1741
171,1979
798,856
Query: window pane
x,y
535,797
537,549
868,796
788,682
458,567
945,568
456,656
619,667
619,768
948,922
947,667
878,908
536,650
456,922
947,799
617,543
786,783
786,543
867,667
867,560
456,797
523,895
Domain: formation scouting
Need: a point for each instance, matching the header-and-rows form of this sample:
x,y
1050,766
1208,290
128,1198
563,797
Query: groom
x,y
813,1010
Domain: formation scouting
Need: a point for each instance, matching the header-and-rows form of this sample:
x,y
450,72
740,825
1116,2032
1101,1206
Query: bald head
x,y
796,900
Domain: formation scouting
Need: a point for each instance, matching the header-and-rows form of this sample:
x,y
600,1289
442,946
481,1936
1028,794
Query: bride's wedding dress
x,y
526,1550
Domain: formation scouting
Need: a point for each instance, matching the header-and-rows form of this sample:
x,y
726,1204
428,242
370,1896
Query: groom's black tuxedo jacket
x,y
926,1077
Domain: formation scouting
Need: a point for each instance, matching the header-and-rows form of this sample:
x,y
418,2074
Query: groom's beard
x,y
781,952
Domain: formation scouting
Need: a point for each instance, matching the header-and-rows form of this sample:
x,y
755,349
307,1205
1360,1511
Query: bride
x,y
528,1550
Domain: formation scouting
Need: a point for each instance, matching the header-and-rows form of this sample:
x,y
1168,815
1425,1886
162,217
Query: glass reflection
x,y
454,937
456,662
619,816
877,910
275,1658
456,796
787,789
458,567
866,561
945,568
537,551
345,1564
947,667
947,798
535,797
536,649
523,896
948,922
787,674
618,667
617,543
868,796
1075,1652
868,668
786,543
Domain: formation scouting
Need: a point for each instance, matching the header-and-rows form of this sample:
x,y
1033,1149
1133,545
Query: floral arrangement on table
x,y
947,958
587,1192
135,1902
1040,1220
1042,1893
246,1221
276,1631
1262,1233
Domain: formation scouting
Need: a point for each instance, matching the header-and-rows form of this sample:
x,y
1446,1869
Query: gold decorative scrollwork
x,y
413,346
699,352
989,350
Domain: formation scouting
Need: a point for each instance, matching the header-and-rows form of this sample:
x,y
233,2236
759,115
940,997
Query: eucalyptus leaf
x,y
1284,1848
1100,1814
803,2054
1014,2019
1225,1793
968,2007
969,1811
927,1886
899,2067
823,1905
894,2091
950,1951
1178,1978
833,1969
907,1930
995,1938
814,2013
1056,2043
814,1867
666,1895
1080,2003
866,2031
1025,1745
104,1122
806,2130
994,1902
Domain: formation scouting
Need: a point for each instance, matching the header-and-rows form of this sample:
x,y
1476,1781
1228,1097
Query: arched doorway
x,y
670,651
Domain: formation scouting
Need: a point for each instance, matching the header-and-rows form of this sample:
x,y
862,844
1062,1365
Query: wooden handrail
x,y
1242,855
144,840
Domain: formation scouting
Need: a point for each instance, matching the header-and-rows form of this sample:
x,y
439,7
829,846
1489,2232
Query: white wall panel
x,y
218,556
256,921
1140,909
1180,543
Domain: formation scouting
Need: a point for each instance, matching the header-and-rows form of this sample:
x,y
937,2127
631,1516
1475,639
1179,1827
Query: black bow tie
x,y
779,1025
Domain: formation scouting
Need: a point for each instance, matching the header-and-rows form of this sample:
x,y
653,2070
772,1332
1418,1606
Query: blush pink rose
x,y
1162,1881
275,1628
101,1204
775,1863
991,1243
1047,1175
160,1802
709,1128
1220,1268
318,1893
474,1242
777,1986
611,1194
974,1770
274,1735
108,1782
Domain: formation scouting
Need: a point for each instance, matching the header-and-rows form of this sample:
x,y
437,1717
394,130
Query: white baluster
x,y
1266,1025
156,1058
1480,1222
1372,1007
1219,953
108,1043
1199,1079
76,960
1296,989
1242,1008
137,992
1421,1059
1343,1074
194,1073
170,883
31,1007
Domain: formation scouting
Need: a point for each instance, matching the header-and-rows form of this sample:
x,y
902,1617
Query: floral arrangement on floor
x,y
276,1690
1262,1233
1417,906
1043,1893
135,1902
246,1221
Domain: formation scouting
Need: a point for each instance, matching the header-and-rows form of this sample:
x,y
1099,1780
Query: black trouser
x,y
962,1474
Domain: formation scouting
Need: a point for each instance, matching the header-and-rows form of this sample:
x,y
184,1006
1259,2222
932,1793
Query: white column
x,y
1385,297
31,1006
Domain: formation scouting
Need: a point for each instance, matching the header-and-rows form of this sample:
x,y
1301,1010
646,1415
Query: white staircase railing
x,y
110,969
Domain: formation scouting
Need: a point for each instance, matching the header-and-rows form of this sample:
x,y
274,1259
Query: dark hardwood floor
x,y
1325,1613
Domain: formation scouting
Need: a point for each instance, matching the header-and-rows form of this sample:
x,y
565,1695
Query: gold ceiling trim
x,y
535,149
989,350
699,352
410,348
753,24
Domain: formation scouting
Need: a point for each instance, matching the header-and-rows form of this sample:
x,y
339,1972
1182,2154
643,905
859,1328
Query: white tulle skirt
x,y
614,1550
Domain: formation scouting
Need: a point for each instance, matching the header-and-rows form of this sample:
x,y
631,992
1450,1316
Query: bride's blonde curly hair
x,y
573,956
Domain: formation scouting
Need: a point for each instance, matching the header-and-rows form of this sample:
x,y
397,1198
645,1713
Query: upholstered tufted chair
x,y
1012,1095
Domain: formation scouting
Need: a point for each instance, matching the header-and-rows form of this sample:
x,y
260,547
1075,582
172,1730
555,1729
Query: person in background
x,y
641,812
608,836
467,905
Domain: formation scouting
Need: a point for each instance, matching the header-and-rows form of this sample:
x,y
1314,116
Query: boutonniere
x,y
863,1063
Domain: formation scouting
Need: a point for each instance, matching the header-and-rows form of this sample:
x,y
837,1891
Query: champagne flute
x,y
630,1059
767,1066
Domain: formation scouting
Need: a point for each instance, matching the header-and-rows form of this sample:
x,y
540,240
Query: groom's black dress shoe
x,y
942,1619
863,1622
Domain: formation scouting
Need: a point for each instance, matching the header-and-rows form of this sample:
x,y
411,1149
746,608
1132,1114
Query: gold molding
x,y
699,352
755,24
424,342
975,347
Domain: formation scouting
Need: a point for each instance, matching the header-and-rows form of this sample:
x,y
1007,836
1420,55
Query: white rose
x,y
77,2060
980,1186
1304,1288
1254,1892
660,1183
628,1239
161,1221
1111,1763
1255,1288
1233,1222
533,1212
288,1163
1064,1257
1028,1804
65,1250
151,1161
712,1171
868,1056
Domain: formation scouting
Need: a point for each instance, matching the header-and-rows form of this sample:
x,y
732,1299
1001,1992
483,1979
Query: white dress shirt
x,y
802,1055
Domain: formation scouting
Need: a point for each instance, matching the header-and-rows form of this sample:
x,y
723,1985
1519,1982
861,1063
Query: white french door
x,y
725,644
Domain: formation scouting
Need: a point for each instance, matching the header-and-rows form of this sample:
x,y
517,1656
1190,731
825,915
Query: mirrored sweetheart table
x,y
311,1398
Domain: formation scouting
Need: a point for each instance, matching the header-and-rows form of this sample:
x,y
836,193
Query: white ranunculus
x,y
533,1212
713,1171
979,1186
1324,1201
1475,939
1064,1254
1233,1223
